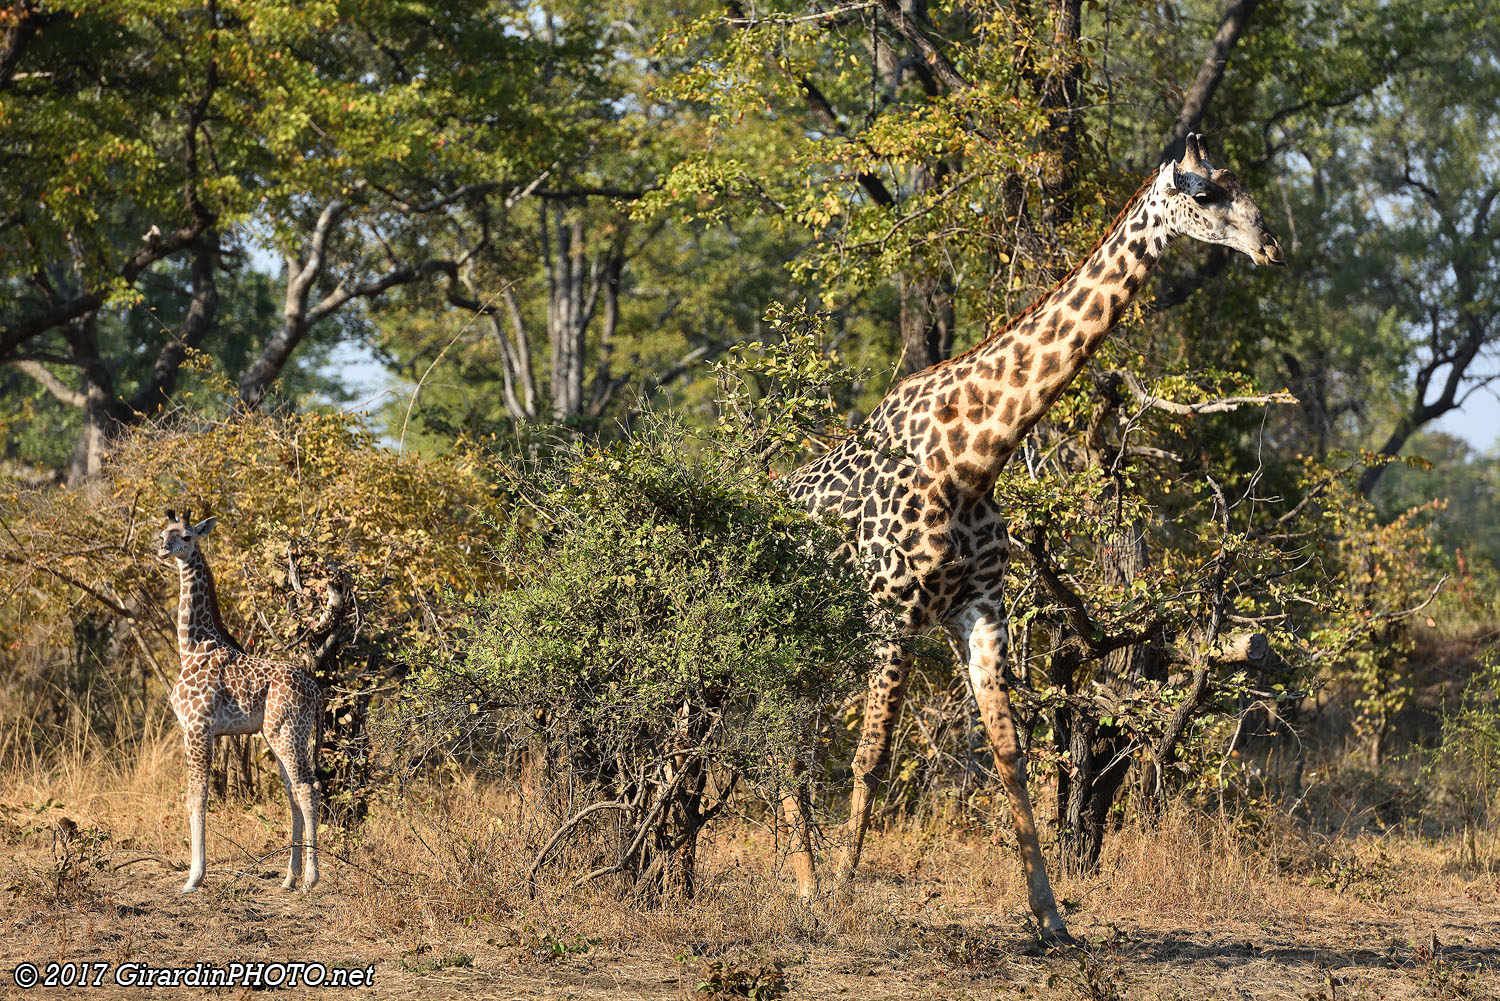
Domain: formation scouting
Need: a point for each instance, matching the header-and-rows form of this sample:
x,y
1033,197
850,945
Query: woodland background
x,y
354,275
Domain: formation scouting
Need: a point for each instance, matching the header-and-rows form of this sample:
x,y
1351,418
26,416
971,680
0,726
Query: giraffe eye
x,y
1205,197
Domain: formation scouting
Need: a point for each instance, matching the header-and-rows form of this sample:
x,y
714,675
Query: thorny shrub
x,y
677,627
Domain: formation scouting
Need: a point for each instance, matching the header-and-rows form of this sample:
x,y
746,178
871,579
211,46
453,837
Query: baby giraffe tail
x,y
317,752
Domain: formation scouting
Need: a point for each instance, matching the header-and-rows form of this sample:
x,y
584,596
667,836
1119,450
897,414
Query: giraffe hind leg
x,y
288,743
294,867
200,755
306,789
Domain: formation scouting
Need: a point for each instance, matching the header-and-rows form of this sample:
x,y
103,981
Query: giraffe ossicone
x,y
222,689
914,486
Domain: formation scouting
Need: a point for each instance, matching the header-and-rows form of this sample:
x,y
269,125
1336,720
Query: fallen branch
x,y
563,831
1234,650
169,866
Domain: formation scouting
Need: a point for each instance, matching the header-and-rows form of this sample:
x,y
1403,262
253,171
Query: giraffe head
x,y
1213,206
180,538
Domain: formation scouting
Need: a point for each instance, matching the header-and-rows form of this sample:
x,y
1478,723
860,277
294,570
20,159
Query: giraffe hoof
x,y
189,888
1058,938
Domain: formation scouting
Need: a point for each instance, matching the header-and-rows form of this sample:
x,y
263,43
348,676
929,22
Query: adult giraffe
x,y
915,483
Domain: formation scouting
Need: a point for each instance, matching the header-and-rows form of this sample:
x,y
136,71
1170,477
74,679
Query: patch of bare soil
x,y
925,926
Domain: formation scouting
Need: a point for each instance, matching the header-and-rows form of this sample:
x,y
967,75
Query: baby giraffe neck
x,y
199,625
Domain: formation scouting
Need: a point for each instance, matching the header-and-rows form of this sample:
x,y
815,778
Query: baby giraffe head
x,y
180,538
1212,206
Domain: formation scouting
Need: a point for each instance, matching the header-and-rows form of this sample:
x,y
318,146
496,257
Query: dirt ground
x,y
936,918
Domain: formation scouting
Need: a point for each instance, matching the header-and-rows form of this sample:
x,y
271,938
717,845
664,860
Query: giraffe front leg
x,y
983,632
882,711
200,754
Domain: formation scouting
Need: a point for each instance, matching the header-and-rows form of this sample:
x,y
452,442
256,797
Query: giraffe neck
x,y
993,394
200,627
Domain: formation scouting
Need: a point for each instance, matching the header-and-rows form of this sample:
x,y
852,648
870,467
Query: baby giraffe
x,y
223,689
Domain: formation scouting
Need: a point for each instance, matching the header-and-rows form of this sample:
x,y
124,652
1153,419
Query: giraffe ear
x,y
1174,179
205,526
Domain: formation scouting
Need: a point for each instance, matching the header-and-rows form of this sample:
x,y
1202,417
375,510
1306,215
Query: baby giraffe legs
x,y
302,797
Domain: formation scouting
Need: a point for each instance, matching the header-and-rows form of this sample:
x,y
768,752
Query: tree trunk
x,y
1078,847
576,281
201,313
567,320
1059,95
103,415
926,321
1210,73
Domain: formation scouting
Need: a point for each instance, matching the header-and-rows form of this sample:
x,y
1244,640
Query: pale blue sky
x,y
1478,422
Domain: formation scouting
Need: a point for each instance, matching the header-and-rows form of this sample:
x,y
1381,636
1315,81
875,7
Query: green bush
x,y
676,627
1462,774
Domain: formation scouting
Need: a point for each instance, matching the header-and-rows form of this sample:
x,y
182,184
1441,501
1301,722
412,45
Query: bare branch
x,y
1210,73
62,393
24,22
1458,360
1221,405
443,201
91,591
1089,640
342,294
913,33
159,247
835,15
568,194
298,318
524,372
818,104
682,367
565,829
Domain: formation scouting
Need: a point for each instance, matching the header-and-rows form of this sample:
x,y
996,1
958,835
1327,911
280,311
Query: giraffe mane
x,y
1083,259
213,605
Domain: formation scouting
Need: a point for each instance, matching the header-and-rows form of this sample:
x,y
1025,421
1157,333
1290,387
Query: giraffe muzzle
x,y
1271,253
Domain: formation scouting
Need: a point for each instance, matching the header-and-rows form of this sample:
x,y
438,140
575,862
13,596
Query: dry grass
x,y
433,892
